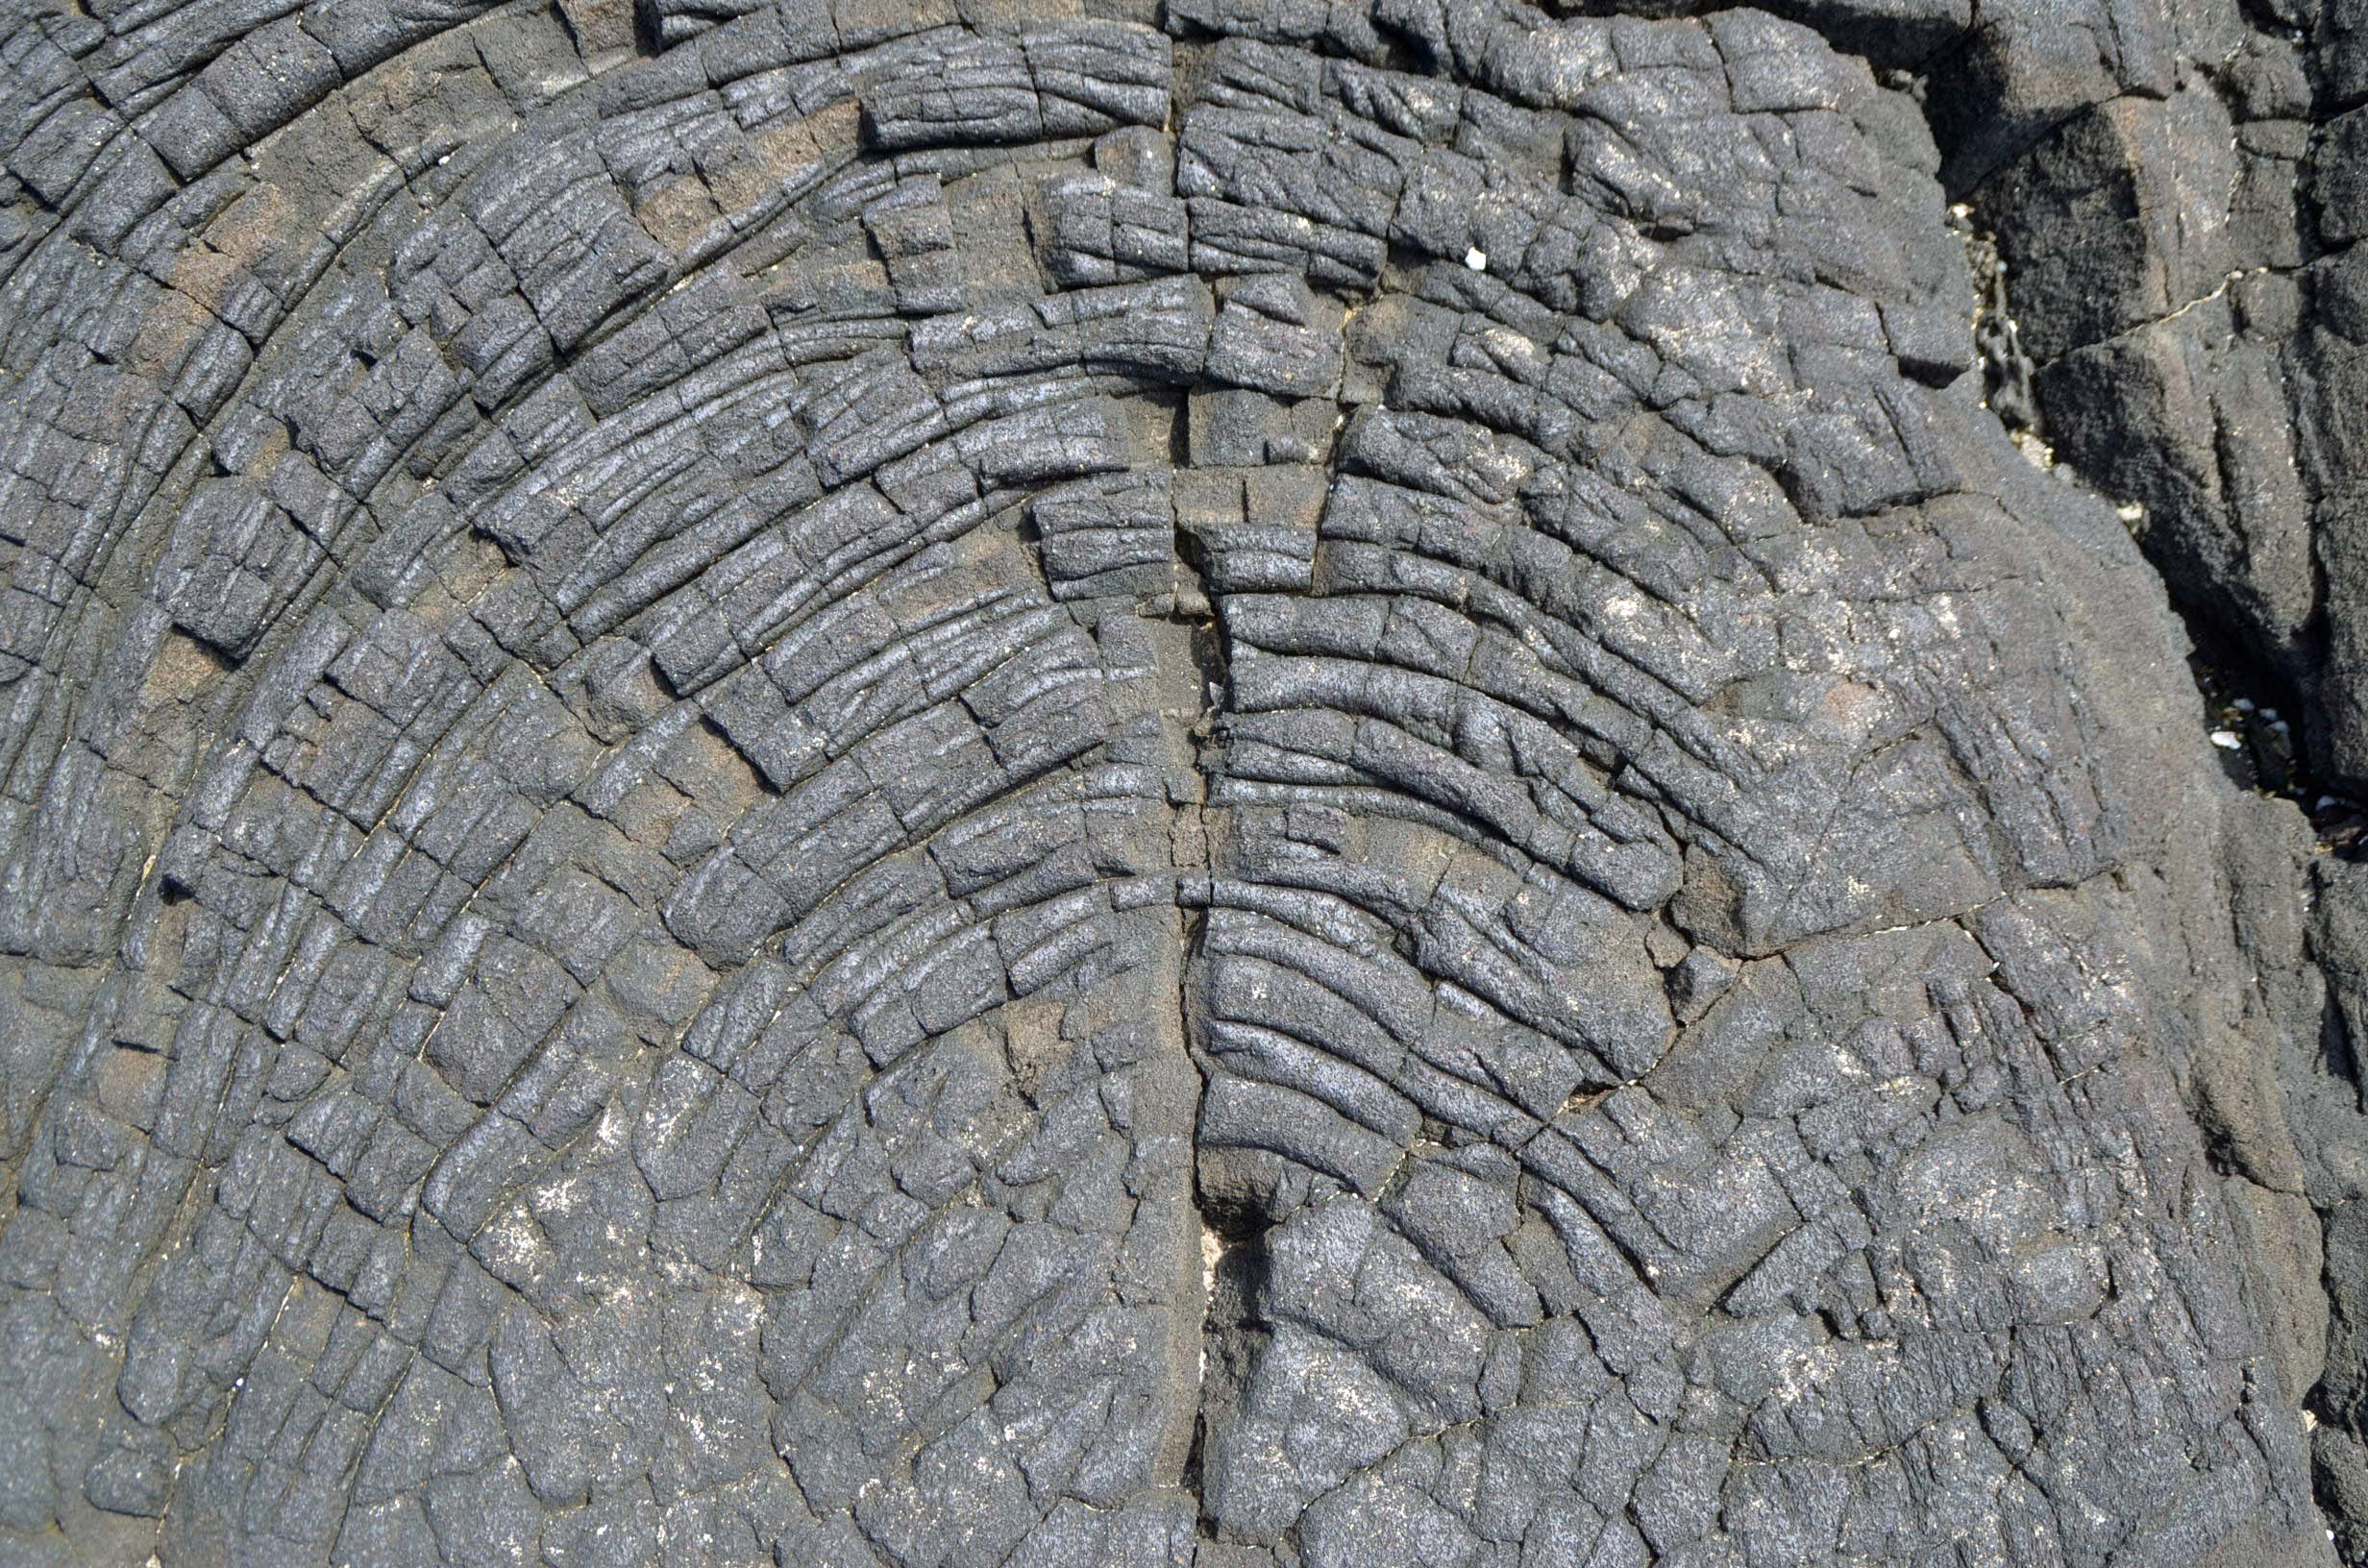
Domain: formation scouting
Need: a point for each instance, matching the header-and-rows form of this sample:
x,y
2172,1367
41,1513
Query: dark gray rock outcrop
x,y
1278,786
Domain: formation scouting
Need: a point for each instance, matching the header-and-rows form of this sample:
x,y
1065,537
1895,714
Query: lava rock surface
x,y
1245,783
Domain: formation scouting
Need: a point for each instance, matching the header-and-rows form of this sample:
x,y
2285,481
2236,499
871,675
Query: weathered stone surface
x,y
1261,785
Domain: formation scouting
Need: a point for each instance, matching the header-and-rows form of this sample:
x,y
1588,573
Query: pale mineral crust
x,y
1183,784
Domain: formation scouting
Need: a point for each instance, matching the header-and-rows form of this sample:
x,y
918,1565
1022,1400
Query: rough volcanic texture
x,y
2177,188
2177,192
1282,788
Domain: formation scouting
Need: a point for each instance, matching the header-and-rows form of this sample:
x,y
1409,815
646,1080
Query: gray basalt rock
x,y
1272,786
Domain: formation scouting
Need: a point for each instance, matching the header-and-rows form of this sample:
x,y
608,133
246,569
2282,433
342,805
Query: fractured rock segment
x,y
842,784
2175,192
612,990
1672,1012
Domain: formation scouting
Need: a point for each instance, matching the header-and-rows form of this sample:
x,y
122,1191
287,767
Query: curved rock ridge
x,y
1270,786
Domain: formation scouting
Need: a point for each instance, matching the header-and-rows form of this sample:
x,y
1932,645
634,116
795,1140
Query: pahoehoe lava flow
x,y
1183,783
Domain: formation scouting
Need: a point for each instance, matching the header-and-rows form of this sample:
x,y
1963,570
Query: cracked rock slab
x,y
1259,786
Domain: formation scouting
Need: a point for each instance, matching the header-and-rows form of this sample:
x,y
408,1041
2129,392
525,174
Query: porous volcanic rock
x,y
1245,783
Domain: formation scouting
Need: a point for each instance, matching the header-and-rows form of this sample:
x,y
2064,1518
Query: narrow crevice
x,y
2337,1057
2006,368
1232,1256
1236,1273
2255,716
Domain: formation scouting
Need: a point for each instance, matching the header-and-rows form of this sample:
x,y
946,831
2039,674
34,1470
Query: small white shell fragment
x,y
1476,258
2226,740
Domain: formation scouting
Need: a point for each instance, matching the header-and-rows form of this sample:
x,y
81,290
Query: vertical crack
x,y
1194,638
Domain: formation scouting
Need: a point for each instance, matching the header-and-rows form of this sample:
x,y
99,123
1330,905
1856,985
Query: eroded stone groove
x,y
1028,784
